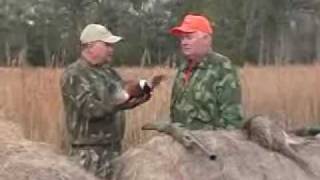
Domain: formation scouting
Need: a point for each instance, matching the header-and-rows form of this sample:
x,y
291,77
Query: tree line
x,y
46,32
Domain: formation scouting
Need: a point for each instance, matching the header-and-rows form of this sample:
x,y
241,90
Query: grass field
x,y
31,97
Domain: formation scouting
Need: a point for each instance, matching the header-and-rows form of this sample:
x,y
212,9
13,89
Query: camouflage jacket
x,y
211,98
88,95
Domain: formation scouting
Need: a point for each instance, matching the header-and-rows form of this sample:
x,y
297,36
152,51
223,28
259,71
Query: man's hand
x,y
132,87
138,88
135,101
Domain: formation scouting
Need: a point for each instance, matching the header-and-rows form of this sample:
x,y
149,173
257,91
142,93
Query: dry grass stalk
x,y
32,97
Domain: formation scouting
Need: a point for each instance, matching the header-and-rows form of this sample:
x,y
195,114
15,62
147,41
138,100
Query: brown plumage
x,y
156,80
135,89
132,88
266,133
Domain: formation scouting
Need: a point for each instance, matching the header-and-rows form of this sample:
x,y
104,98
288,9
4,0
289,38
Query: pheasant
x,y
138,88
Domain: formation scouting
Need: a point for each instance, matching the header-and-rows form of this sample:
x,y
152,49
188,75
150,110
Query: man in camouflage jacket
x,y
94,98
206,92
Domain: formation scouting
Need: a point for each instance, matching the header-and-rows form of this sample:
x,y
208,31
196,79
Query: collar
x,y
202,65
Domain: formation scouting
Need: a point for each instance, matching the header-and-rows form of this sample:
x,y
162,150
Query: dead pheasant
x,y
138,88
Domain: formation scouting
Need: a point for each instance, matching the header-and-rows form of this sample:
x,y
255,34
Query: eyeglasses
x,y
92,43
108,44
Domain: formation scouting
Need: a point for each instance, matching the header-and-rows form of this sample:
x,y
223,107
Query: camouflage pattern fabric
x,y
211,98
97,160
95,125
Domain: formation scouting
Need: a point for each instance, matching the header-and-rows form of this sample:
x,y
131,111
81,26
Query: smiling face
x,y
195,45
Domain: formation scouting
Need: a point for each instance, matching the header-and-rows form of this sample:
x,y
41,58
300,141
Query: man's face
x,y
101,52
195,45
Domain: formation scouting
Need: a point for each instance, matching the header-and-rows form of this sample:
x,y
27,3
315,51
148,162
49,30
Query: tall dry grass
x,y
32,97
290,93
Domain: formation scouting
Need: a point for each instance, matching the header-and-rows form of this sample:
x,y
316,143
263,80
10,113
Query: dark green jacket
x,y
212,97
89,95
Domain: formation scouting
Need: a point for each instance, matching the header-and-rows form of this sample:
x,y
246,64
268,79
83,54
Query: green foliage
x,y
49,29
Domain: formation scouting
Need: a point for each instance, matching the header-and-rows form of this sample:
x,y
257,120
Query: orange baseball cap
x,y
192,23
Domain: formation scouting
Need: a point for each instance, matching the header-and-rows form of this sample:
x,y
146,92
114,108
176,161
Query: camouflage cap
x,y
97,32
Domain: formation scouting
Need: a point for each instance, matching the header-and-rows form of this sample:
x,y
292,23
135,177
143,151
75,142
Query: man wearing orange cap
x,y
206,92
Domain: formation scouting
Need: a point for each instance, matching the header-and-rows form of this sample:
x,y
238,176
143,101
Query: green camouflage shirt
x,y
212,97
89,94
